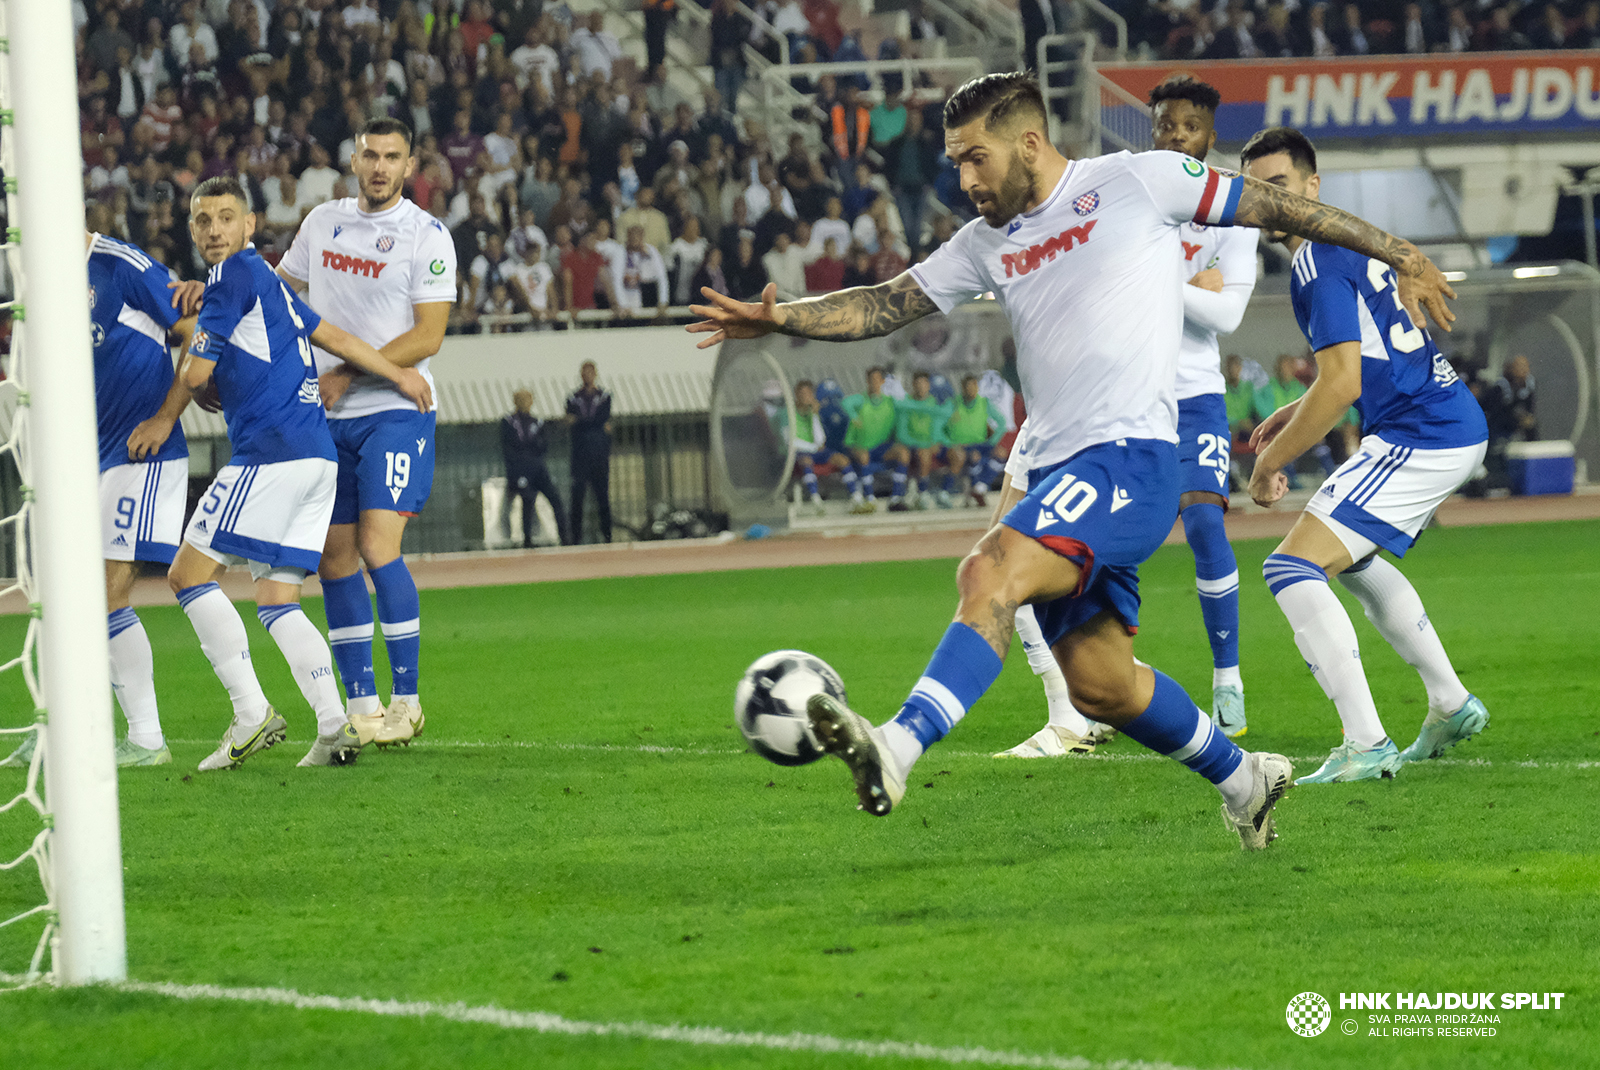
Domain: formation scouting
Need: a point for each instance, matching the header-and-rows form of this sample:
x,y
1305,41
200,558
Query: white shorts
x,y
1017,463
271,516
141,510
1384,495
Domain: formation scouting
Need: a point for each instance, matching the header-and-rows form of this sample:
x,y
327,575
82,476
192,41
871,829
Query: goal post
x,y
80,770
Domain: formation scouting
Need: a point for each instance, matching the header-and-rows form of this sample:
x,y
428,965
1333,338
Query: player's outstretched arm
x,y
845,316
347,347
1422,284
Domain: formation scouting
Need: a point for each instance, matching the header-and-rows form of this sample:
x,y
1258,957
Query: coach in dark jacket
x,y
589,413
523,445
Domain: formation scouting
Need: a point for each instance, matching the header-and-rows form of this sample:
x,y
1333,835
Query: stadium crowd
x,y
1268,29
568,179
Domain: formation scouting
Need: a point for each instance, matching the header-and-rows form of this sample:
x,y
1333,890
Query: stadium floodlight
x,y
57,456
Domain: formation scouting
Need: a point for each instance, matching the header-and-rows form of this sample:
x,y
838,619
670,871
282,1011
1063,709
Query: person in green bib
x,y
811,445
869,438
918,435
971,432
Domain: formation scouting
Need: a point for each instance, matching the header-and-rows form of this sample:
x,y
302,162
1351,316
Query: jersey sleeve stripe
x,y
1202,214
1235,191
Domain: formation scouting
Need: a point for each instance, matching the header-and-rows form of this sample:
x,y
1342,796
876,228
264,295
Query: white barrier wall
x,y
649,371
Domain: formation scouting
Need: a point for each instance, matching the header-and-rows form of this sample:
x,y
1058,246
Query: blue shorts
x,y
385,462
817,458
876,453
1203,441
1106,509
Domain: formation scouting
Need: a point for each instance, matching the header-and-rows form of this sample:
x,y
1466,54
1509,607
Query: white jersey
x,y
1232,251
366,270
1092,282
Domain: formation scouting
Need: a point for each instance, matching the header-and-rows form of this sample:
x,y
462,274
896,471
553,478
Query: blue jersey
x,y
130,313
258,331
1410,396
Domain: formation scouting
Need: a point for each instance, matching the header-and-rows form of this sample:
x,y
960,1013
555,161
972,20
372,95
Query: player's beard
x,y
1012,197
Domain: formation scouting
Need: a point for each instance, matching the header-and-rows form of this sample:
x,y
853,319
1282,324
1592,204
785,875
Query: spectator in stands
x,y
649,219
582,273
831,226
848,133
746,275
589,416
825,274
472,234
1588,33
729,30
658,15
710,276
785,265
684,257
487,270
639,276
1509,404
317,180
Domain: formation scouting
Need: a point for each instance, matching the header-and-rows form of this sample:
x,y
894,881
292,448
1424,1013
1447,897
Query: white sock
x,y
1228,677
1042,660
904,748
1238,785
133,679
222,637
309,661
363,705
1327,640
1395,610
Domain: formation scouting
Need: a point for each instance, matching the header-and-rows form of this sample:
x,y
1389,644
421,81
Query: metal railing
x,y
963,67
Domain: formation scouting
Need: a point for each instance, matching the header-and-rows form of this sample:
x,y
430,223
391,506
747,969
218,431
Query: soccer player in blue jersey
x,y
1424,435
1084,256
269,506
144,465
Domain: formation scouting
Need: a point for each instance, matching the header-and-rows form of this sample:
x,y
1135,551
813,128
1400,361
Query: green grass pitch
x,y
582,833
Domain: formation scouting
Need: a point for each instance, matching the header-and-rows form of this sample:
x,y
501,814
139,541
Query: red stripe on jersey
x,y
1203,213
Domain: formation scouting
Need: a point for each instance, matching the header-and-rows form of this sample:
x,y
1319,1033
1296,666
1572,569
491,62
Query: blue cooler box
x,y
1540,467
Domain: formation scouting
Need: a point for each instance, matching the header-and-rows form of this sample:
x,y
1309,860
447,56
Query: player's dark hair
x,y
377,127
965,379
877,368
997,98
221,186
1184,87
805,382
1276,139
921,375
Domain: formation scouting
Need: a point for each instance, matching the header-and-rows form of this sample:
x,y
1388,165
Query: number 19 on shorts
x,y
397,470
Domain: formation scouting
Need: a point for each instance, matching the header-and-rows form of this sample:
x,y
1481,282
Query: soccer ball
x,y
770,704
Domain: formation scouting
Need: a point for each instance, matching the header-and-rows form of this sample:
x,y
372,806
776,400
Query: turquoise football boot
x,y
1438,736
1349,762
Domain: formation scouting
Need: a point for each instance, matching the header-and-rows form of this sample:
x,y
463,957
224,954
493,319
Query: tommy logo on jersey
x,y
1035,255
1087,203
355,265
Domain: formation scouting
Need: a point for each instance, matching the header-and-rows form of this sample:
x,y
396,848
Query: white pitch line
x,y
1133,756
703,1036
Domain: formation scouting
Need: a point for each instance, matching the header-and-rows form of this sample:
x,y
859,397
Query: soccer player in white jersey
x,y
1085,258
1220,263
269,506
1423,436
387,269
144,464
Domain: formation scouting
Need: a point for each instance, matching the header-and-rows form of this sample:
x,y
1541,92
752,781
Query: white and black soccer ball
x,y
770,704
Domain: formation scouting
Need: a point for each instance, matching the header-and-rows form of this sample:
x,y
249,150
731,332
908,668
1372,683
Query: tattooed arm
x,y
1274,209
844,316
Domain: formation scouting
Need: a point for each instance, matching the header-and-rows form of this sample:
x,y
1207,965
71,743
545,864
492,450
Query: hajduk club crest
x,y
1087,203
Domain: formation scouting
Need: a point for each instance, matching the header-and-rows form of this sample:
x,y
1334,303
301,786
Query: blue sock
x,y
864,476
1174,726
399,611
849,477
960,671
1216,575
950,481
349,612
993,470
922,484
899,480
